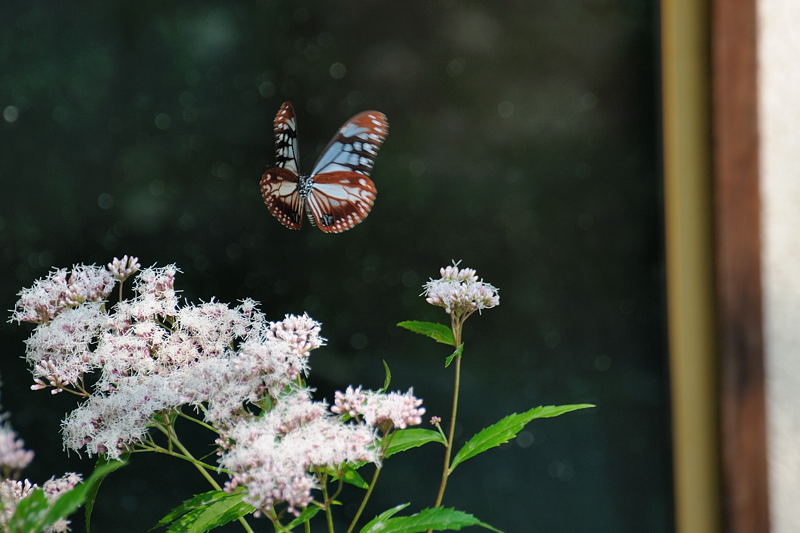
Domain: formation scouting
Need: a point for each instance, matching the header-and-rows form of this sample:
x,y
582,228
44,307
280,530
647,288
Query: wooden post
x,y
738,268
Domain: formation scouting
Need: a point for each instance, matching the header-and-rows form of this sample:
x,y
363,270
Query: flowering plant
x,y
142,364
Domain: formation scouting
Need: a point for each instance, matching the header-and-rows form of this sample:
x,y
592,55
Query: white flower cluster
x,y
11,492
123,268
13,455
381,410
460,292
272,455
62,289
149,355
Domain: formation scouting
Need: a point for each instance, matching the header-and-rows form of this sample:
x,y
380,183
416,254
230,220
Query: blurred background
x,y
523,141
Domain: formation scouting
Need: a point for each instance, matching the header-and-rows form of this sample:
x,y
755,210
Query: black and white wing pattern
x,y
280,185
285,126
342,194
355,146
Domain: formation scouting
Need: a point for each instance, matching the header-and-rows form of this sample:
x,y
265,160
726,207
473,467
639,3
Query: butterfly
x,y
338,193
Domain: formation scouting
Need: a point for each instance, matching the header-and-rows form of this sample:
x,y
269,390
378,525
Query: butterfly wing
x,y
340,200
280,184
342,194
280,190
285,126
355,145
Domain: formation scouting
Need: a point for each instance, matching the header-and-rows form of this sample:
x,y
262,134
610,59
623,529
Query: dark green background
x,y
523,140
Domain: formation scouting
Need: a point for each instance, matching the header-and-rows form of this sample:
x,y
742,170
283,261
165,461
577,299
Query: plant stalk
x,y
457,324
365,499
211,481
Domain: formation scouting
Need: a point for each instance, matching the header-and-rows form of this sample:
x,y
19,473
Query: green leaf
x,y
198,501
35,513
438,332
388,379
71,500
507,428
405,439
219,513
91,493
436,519
351,476
29,517
384,516
453,355
307,514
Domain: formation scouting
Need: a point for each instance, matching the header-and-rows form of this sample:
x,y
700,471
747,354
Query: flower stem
x,y
457,323
328,514
365,499
387,439
197,421
173,437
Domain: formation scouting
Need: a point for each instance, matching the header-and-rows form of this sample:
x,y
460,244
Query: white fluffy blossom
x,y
13,455
380,409
460,292
59,350
150,355
123,268
300,332
273,455
60,290
111,423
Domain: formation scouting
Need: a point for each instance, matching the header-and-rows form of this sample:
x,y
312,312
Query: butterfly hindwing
x,y
281,193
355,145
340,200
285,126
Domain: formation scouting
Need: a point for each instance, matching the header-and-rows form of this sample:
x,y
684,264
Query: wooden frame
x,y
745,504
689,252
713,265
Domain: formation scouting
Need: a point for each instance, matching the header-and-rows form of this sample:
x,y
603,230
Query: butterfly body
x,y
338,193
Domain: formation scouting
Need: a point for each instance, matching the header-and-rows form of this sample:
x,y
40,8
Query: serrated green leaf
x,y
388,379
507,428
453,355
438,332
436,519
405,439
198,501
91,492
219,513
71,500
384,516
34,513
307,514
30,514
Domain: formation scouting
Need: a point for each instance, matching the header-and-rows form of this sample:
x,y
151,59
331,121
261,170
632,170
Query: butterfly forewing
x,y
355,145
280,190
285,126
340,200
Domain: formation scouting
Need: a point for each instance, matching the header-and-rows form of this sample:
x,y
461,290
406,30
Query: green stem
x,y
387,439
197,421
366,498
276,522
450,434
196,462
327,501
173,437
